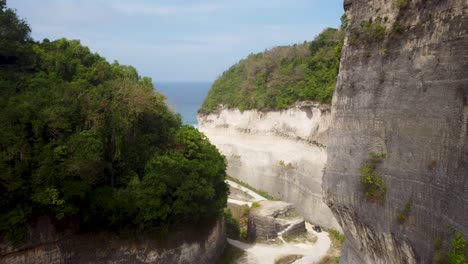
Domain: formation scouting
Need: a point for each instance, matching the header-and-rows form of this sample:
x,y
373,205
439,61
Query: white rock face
x,y
280,152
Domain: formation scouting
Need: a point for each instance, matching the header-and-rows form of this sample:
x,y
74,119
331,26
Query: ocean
x,y
185,98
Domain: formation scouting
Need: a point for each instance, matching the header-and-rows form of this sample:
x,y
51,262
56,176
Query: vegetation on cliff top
x,y
277,78
90,142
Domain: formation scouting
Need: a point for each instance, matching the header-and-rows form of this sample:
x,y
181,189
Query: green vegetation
x,y
403,215
336,236
232,225
371,180
369,32
453,252
246,185
255,205
92,142
333,254
277,78
288,259
400,4
456,254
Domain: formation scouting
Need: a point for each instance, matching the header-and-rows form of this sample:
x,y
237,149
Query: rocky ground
x,y
280,233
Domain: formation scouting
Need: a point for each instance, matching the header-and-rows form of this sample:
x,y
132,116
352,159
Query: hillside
x,y
91,143
278,78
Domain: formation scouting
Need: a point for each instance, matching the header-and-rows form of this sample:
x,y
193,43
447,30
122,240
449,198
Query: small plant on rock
x,y
404,214
371,180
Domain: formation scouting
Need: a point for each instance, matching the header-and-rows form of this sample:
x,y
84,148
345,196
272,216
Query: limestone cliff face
x,y
280,152
45,244
402,91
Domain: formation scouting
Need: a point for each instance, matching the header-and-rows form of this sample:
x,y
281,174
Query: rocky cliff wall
x,y
402,93
47,245
280,152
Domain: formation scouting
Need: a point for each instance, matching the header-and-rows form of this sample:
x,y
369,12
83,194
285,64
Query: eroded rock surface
x,y
402,92
48,246
280,152
273,217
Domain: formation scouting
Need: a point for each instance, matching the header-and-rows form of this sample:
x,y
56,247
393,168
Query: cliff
x,y
280,152
51,245
402,94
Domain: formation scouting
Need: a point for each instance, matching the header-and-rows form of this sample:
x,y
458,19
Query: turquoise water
x,y
185,97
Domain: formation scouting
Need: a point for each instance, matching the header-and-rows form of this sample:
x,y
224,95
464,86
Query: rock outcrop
x,y
271,218
280,152
47,245
402,93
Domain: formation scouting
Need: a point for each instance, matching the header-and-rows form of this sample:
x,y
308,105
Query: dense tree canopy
x,y
277,78
84,139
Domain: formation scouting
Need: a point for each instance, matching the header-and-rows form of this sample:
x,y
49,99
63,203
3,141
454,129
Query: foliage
x,y
371,180
232,225
255,205
450,252
403,215
369,32
456,254
336,236
86,139
277,78
344,21
400,4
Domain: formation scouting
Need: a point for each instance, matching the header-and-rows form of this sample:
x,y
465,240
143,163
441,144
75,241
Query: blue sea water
x,y
185,98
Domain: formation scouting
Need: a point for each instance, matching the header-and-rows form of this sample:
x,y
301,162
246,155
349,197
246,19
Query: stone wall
x,y
46,245
404,94
280,152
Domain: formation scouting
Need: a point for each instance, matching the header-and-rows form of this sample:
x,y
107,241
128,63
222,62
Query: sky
x,y
179,40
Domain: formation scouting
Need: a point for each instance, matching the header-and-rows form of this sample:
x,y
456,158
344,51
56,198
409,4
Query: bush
x,y
255,205
400,4
403,215
232,225
371,180
369,33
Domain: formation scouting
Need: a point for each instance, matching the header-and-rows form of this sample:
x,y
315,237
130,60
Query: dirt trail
x,y
260,253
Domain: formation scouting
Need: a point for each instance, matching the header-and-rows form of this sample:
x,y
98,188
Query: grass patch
x,y
255,205
329,260
400,4
288,259
232,225
246,185
404,214
333,254
371,180
369,32
450,252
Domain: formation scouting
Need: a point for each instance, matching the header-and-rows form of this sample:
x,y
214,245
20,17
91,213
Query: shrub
x,y
368,33
232,225
400,4
456,254
371,180
403,215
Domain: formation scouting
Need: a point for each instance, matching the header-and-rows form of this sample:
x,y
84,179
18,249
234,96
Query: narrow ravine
x,y
271,251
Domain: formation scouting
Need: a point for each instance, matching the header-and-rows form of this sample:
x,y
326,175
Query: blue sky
x,y
179,40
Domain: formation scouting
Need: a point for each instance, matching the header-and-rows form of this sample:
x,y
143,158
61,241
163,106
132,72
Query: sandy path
x,y
256,197
267,254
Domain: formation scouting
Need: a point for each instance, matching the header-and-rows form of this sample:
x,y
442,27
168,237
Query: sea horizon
x,y
185,97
